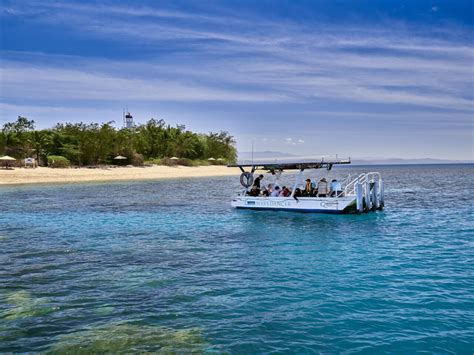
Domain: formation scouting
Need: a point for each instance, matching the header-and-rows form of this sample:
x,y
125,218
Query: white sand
x,y
48,175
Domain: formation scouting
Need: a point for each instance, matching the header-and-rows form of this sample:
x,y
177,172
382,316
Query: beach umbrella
x,y
174,158
7,159
220,159
119,159
211,159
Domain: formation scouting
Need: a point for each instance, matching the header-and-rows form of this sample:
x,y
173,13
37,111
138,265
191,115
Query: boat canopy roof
x,y
321,164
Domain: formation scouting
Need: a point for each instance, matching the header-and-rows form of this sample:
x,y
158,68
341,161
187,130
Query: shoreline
x,y
44,175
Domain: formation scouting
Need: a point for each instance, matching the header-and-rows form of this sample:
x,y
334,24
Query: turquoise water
x,y
169,266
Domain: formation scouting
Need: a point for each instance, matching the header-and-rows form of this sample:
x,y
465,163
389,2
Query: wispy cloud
x,y
43,83
292,141
256,63
270,68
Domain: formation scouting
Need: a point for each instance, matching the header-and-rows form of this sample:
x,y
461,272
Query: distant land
x,y
281,157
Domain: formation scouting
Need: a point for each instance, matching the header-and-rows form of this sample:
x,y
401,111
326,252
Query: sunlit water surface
x,y
168,265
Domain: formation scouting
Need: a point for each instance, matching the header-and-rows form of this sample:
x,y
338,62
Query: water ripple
x,y
147,267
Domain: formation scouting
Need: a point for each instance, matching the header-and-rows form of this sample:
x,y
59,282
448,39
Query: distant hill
x,y
267,156
399,161
271,155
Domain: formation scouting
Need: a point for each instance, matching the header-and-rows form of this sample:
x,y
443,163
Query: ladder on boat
x,y
369,191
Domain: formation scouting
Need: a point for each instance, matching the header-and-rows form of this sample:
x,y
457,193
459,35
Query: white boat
x,y
361,194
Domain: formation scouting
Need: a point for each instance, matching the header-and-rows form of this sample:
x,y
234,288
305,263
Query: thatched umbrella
x,y
6,159
172,161
211,159
120,158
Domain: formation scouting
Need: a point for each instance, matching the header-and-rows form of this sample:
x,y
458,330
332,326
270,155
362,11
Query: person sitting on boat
x,y
315,191
322,188
254,191
266,191
285,192
269,189
308,190
276,192
336,188
298,193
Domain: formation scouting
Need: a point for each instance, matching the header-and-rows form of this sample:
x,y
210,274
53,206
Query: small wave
x,y
402,190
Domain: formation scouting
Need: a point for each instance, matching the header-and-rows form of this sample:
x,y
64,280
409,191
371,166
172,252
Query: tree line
x,y
84,144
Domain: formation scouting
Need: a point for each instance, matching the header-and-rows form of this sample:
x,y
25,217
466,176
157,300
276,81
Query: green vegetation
x,y
57,161
83,144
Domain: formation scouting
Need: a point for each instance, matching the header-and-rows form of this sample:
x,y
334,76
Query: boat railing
x,y
368,189
344,182
350,188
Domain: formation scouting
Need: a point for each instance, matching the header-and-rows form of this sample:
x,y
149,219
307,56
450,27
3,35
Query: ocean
x,y
169,266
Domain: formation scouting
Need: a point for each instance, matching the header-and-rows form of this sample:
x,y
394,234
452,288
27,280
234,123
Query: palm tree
x,y
39,141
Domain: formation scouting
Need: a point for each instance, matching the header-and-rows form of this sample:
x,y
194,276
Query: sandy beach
x,y
48,175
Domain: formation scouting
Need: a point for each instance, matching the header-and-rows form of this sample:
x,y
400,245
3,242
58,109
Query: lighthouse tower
x,y
127,119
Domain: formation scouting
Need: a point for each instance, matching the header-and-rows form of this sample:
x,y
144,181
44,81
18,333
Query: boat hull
x,y
339,205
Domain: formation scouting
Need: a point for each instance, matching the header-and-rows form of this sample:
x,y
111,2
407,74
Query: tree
x,y
3,139
221,145
84,144
40,141
20,126
188,145
15,136
151,142
104,143
124,143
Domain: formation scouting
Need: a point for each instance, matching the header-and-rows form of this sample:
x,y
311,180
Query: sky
x,y
355,78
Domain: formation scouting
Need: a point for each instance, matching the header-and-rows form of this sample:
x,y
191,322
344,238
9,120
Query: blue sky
x,y
358,78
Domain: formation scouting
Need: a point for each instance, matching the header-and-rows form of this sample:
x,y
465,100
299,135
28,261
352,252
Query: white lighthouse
x,y
127,119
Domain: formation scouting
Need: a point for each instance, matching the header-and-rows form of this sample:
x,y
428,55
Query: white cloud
x,y
352,74
43,83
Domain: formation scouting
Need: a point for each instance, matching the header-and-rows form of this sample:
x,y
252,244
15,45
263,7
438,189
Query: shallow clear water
x,y
168,265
